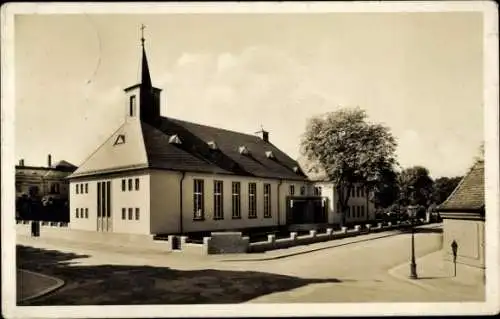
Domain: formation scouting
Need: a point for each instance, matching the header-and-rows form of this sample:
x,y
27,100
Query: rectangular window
x,y
124,213
317,191
362,211
124,188
267,200
292,190
129,184
348,211
86,188
198,202
130,213
358,211
218,200
252,200
236,199
302,190
108,199
77,188
136,184
132,105
77,212
137,214
99,208
86,213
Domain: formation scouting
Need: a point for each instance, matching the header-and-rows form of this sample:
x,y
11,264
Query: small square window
x,y
124,213
137,214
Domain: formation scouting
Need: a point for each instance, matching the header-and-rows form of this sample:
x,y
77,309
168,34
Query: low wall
x,y
314,237
226,243
116,239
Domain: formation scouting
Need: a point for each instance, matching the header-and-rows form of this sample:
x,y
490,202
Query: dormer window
x,y
212,145
243,150
120,139
132,105
270,154
174,139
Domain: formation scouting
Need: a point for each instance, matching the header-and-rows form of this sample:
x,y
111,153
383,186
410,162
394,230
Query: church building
x,y
160,175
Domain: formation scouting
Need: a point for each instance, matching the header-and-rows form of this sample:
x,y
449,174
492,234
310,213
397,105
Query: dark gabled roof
x,y
195,154
469,194
65,166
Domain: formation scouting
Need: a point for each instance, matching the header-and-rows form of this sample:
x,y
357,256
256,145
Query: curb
x,y
393,233
59,283
393,273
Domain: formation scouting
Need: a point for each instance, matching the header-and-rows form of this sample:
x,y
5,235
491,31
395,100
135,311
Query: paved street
x,y
353,272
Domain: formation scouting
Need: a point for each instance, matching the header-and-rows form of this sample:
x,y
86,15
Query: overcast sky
x,y
419,73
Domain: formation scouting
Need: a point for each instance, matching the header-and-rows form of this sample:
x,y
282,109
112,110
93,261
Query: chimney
x,y
49,161
264,135
21,162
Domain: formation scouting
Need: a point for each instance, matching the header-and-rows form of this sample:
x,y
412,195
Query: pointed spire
x,y
145,76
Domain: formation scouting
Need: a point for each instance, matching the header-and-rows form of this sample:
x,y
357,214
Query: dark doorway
x,y
307,210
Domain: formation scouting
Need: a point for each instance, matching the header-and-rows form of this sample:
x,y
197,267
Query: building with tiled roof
x,y
160,175
463,214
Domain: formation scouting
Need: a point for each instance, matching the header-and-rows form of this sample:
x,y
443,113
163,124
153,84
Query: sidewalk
x,y
31,285
304,249
436,274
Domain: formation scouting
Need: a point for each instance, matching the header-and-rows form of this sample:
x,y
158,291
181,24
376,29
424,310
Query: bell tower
x,y
142,99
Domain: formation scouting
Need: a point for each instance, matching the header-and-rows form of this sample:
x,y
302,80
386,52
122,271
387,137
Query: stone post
x,y
329,231
183,241
271,238
312,233
293,235
368,226
357,228
343,229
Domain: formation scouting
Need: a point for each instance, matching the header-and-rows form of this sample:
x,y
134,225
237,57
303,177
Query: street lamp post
x,y
413,265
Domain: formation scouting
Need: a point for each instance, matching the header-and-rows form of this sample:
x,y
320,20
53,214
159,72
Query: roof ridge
x,y
211,127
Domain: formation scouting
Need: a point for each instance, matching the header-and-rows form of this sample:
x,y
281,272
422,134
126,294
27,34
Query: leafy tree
x,y
416,186
347,150
443,187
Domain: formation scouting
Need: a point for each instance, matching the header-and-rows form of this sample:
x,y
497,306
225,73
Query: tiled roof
x,y
469,194
195,154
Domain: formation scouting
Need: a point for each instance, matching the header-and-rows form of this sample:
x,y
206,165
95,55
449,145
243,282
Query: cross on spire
x,y
142,33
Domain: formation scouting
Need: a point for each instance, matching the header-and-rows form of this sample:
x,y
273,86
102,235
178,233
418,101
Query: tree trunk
x,y
343,195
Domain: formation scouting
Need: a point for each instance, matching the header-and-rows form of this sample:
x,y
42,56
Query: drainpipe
x,y
279,199
181,192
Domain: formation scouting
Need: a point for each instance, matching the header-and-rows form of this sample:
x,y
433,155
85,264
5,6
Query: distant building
x,y
463,214
360,209
42,193
43,181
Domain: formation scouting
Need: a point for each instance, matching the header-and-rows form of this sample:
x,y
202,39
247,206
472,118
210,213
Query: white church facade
x,y
160,175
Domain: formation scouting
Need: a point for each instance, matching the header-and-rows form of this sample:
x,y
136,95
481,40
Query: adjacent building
x,y
43,181
463,215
